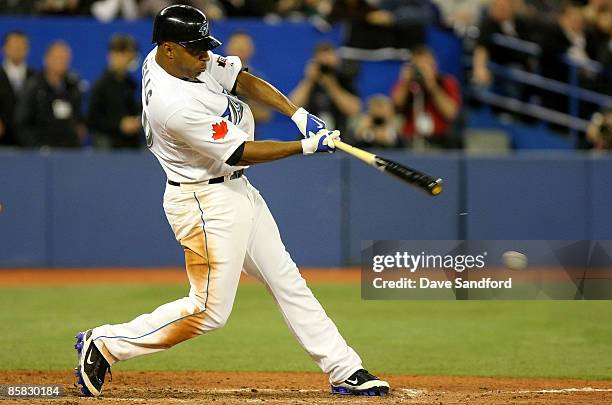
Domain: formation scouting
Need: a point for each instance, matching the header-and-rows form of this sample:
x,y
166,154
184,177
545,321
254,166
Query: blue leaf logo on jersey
x,y
234,110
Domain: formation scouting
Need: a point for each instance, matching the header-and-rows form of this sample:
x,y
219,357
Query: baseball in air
x,y
514,260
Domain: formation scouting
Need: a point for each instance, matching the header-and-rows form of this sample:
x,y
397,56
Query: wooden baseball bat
x,y
415,178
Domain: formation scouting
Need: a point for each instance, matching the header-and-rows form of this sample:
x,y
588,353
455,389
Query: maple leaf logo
x,y
219,130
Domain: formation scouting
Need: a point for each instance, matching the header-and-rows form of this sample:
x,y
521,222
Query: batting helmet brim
x,y
206,43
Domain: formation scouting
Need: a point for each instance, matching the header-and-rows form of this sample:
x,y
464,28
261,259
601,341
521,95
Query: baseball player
x,y
202,135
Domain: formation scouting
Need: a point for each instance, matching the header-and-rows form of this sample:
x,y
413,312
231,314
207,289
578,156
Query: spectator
x,y
327,90
599,34
593,8
114,112
429,101
306,8
213,8
541,11
379,127
18,7
64,7
49,113
500,21
599,132
390,26
248,8
605,57
13,76
108,10
565,40
241,44
461,15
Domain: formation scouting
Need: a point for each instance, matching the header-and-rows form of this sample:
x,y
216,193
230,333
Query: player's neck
x,y
166,64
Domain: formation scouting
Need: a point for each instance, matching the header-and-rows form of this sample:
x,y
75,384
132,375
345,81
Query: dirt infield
x,y
311,388
42,277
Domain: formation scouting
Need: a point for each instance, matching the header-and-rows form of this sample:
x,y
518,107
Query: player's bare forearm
x,y
254,88
267,151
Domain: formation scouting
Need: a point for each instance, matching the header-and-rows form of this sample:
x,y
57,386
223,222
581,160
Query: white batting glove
x,y
323,141
308,124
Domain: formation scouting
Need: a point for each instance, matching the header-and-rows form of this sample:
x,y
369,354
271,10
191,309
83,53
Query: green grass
x,y
486,338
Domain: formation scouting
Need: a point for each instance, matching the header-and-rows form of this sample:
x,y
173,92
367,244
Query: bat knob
x,y
435,188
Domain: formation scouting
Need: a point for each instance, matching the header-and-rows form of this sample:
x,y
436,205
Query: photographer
x,y
429,101
327,90
379,127
599,132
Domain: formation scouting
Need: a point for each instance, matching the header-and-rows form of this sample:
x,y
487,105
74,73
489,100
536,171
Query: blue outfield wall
x,y
599,203
381,207
529,197
97,209
25,207
105,209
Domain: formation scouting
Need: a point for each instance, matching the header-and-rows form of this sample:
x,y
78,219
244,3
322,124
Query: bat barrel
x,y
426,183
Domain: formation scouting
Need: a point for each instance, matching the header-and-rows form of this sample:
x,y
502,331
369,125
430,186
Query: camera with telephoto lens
x,y
605,132
418,77
327,69
378,121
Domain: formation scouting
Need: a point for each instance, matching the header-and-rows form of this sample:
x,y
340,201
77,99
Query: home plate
x,y
411,392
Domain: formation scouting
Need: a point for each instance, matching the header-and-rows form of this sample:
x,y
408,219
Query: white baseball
x,y
514,260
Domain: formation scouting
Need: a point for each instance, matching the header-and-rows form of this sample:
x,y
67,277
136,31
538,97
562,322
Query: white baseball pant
x,y
223,229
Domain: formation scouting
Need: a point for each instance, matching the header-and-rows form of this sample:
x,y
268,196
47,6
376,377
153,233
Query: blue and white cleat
x,y
361,383
91,367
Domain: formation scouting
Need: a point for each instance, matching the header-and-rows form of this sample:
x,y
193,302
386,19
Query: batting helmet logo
x,y
204,29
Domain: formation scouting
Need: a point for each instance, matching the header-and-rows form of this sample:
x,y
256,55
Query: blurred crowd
x,y
45,109
424,108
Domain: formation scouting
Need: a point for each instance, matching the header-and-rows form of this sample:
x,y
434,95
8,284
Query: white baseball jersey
x,y
194,127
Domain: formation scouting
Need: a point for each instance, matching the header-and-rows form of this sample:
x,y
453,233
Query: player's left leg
x,y
212,224
268,261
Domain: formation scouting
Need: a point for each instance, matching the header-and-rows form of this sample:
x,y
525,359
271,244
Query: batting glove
x,y
323,141
308,124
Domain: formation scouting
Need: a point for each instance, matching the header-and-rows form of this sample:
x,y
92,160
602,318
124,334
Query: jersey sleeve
x,y
212,136
224,69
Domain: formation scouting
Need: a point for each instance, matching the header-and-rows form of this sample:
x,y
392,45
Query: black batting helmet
x,y
185,25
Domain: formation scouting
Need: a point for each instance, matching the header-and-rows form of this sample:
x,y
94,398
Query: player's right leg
x,y
269,262
212,224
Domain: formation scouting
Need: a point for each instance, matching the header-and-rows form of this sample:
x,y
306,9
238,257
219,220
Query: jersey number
x,y
147,130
